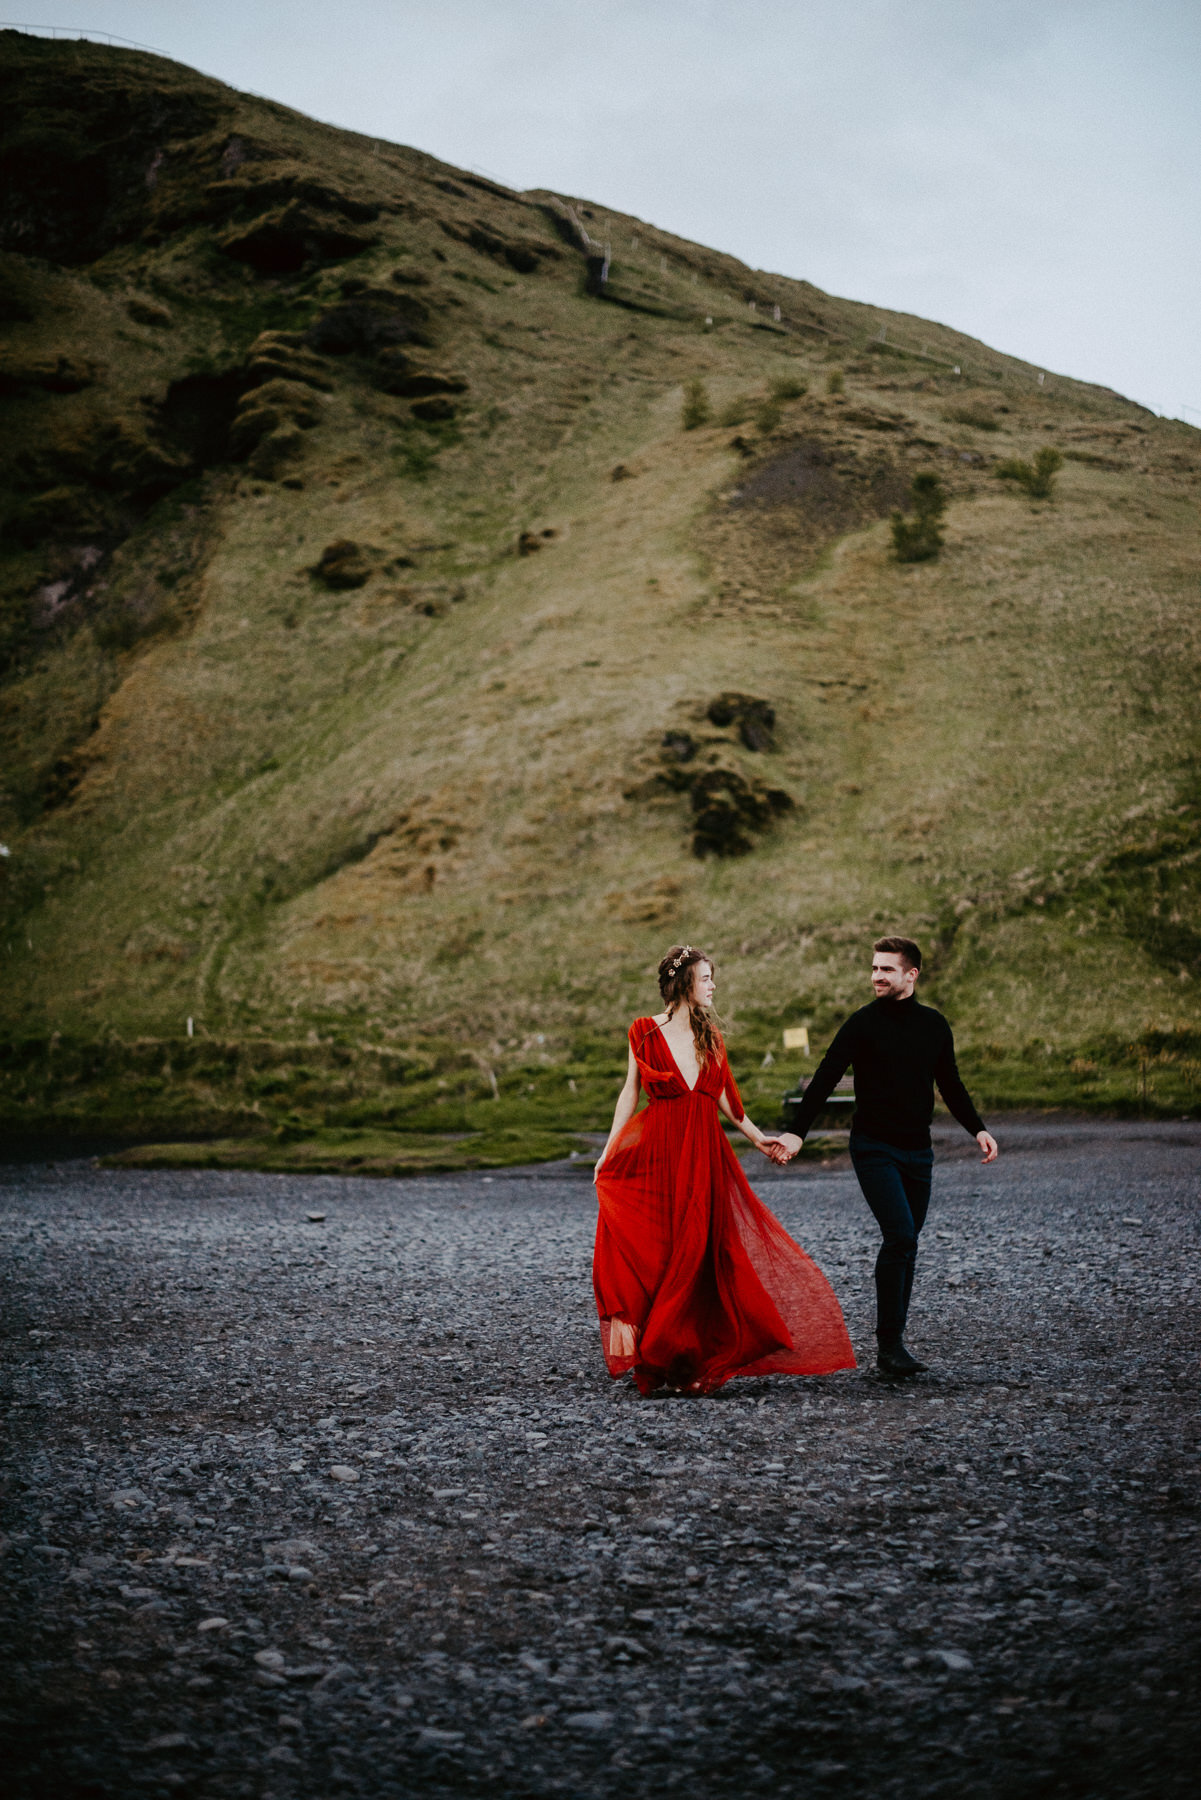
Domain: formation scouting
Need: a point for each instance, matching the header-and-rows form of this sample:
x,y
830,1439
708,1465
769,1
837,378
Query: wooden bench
x,y
840,1100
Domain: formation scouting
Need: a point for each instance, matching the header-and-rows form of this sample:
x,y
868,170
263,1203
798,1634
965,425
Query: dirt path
x,y
304,1507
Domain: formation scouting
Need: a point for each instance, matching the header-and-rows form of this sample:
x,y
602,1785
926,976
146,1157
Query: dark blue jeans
x,y
896,1185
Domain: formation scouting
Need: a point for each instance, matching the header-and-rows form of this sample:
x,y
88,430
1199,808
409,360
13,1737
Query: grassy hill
x,y
388,676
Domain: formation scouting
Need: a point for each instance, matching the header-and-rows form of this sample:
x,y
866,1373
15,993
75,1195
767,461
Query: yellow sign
x,y
797,1038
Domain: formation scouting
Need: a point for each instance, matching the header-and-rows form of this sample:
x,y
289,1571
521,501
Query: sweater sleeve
x,y
950,1086
830,1071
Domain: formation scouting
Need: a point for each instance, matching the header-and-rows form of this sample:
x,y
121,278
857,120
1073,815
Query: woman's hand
x,y
772,1149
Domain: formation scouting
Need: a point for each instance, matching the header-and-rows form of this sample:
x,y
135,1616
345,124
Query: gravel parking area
x,y
317,1487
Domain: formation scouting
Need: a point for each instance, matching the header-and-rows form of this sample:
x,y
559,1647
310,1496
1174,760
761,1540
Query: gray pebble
x,y
986,1573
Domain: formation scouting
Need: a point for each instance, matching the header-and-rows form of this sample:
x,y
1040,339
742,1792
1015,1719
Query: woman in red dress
x,y
695,1280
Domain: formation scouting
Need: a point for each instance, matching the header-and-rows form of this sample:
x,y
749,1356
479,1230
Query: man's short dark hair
x,y
905,948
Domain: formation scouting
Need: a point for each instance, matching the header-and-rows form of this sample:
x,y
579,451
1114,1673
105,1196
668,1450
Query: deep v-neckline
x,y
691,1086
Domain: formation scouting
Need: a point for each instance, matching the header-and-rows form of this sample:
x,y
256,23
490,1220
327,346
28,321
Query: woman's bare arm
x,y
627,1102
751,1132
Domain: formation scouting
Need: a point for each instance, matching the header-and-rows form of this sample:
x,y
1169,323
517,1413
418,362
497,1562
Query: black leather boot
x,y
894,1360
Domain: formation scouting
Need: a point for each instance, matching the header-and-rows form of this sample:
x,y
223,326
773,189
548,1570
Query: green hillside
x,y
388,677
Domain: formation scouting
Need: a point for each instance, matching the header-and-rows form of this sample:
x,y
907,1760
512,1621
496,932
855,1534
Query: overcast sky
x,y
1028,171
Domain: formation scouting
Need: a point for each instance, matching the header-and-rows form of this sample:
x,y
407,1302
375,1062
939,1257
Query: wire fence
x,y
80,31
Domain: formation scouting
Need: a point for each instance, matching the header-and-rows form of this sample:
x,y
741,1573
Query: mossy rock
x,y
275,452
53,374
133,461
367,320
59,512
344,564
275,406
420,383
522,254
293,397
149,312
727,809
437,410
678,746
281,355
283,184
289,238
755,719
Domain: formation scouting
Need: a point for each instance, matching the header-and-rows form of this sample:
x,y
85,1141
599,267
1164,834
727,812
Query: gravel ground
x,y
316,1487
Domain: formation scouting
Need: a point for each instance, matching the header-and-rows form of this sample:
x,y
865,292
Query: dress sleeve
x,y
730,1087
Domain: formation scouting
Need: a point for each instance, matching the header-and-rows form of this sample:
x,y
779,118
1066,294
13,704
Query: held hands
x,y
781,1149
787,1145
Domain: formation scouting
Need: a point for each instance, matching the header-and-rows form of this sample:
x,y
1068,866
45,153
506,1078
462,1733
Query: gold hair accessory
x,y
685,953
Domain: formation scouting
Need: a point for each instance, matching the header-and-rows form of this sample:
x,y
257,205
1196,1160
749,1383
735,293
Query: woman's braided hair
x,y
675,985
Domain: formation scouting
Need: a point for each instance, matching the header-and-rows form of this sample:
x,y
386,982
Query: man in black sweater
x,y
898,1050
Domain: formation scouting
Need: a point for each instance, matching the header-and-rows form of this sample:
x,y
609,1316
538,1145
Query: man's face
x,y
891,978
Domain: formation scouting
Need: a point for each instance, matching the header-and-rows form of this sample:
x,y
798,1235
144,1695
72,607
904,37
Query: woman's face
x,y
703,984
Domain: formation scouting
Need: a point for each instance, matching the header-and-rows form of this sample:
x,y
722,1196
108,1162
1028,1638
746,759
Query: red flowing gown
x,y
695,1280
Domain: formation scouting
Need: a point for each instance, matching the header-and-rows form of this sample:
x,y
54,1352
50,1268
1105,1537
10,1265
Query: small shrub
x,y
697,410
920,538
1047,465
787,387
1038,477
736,412
767,416
835,382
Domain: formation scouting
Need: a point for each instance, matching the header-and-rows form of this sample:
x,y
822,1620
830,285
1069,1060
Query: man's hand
x,y
988,1144
790,1143
772,1149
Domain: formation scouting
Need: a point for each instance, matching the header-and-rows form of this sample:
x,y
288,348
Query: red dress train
x,y
695,1280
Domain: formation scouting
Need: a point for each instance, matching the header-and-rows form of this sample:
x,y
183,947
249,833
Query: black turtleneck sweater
x,y
898,1050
